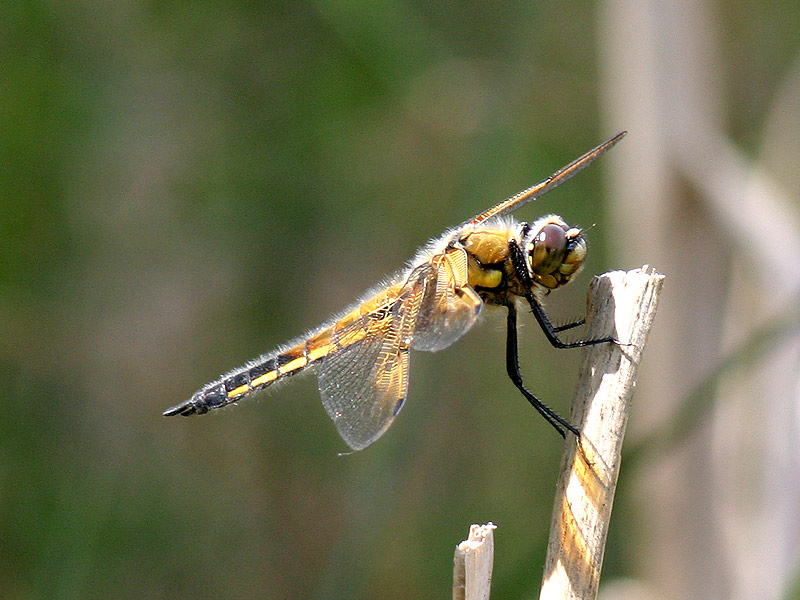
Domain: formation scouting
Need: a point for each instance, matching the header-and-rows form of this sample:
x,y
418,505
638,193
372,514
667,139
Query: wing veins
x,y
364,384
535,191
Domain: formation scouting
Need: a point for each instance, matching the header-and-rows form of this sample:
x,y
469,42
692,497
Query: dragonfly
x,y
361,356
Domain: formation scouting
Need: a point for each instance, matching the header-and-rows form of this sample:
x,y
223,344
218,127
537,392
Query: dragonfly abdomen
x,y
249,378
279,365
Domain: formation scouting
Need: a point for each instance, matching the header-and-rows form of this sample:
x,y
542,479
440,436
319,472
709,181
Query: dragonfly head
x,y
555,250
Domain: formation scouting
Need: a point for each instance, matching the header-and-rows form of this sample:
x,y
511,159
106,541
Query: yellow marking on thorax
x,y
486,247
489,246
479,276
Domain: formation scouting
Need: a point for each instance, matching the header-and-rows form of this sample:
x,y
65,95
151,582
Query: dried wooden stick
x,y
621,305
473,563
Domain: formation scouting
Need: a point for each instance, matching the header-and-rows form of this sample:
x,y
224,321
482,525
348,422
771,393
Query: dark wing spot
x,y
398,406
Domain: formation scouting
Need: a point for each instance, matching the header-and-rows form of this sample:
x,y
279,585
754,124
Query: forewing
x,y
535,191
364,381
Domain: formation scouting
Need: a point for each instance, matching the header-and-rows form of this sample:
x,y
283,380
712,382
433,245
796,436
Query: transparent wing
x,y
364,382
535,191
450,307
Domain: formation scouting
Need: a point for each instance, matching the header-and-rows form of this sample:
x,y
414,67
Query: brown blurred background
x,y
186,185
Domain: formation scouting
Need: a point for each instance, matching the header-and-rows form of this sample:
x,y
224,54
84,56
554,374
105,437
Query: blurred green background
x,y
185,186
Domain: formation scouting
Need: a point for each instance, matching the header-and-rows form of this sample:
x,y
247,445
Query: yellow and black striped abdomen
x,y
254,376
273,367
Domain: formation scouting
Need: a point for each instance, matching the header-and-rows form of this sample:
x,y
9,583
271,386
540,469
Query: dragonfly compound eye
x,y
549,248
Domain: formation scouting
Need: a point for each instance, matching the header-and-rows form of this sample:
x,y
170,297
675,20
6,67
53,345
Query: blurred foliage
x,y
186,185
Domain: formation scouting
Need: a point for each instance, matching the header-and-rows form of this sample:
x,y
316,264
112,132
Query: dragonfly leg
x,y
558,423
551,332
570,325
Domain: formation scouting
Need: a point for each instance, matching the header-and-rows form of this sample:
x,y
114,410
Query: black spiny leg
x,y
566,326
551,333
512,366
